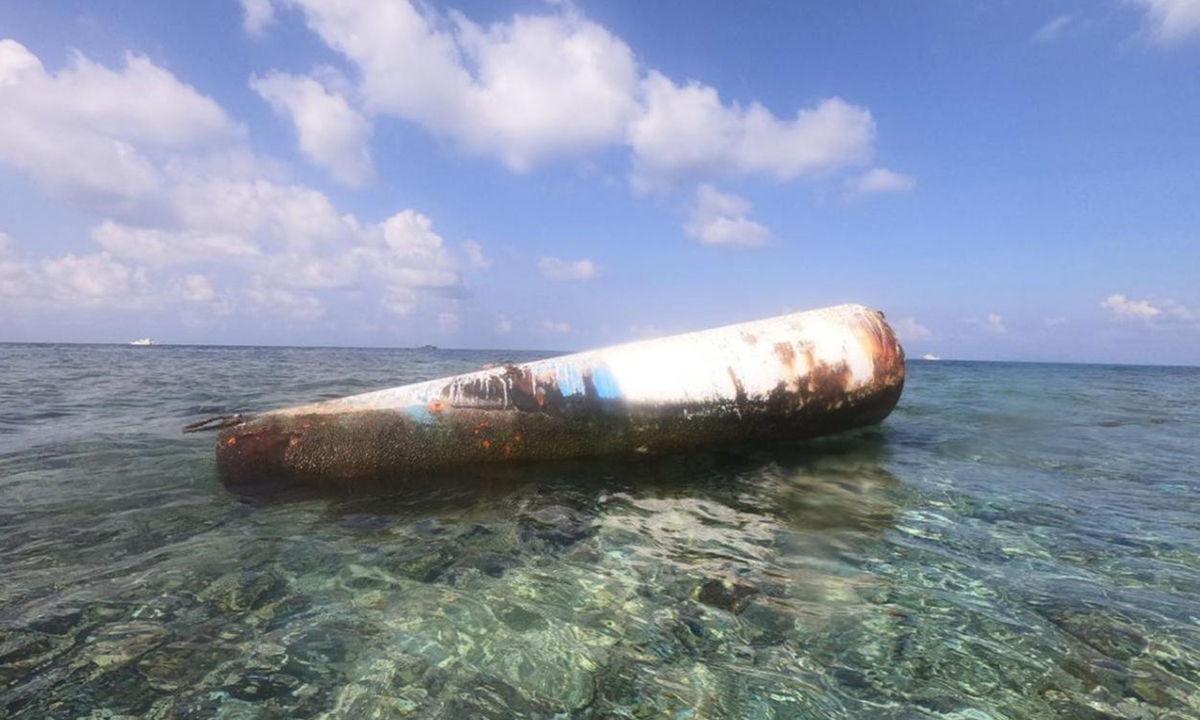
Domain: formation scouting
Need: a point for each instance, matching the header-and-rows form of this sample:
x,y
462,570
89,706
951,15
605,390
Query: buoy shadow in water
x,y
835,482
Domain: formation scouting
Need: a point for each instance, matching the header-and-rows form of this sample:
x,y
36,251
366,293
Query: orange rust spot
x,y
436,406
878,339
487,444
508,449
231,441
787,356
293,442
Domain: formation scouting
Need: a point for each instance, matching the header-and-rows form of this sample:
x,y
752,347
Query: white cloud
x,y
156,247
557,269
558,327
95,135
1164,309
994,323
92,280
197,288
475,256
1053,29
332,134
1171,21
411,256
281,301
522,91
183,190
1122,307
504,324
257,16
910,330
538,87
882,180
15,276
687,130
720,219
547,85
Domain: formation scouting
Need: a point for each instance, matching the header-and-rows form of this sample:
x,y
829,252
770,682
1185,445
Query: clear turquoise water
x,y
1016,541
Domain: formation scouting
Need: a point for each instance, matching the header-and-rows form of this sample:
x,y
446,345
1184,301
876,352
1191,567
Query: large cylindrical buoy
x,y
787,378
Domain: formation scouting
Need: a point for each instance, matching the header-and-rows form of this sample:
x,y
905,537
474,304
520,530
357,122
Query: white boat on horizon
x,y
930,356
143,341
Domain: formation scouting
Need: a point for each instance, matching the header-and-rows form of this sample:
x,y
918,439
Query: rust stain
x,y
879,340
739,390
527,417
787,356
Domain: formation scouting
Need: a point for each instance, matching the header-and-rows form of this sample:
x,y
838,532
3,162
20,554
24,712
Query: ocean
x,y
1015,541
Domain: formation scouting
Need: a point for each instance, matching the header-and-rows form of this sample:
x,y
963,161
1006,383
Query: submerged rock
x,y
555,525
731,595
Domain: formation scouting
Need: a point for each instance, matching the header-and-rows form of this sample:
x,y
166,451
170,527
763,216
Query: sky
x,y
1005,180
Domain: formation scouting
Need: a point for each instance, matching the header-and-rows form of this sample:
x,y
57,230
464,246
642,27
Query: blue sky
x,y
1013,181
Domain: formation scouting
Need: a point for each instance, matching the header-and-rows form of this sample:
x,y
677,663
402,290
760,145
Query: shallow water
x,y
1016,541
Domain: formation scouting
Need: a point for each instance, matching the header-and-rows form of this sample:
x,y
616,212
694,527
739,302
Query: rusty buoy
x,y
787,378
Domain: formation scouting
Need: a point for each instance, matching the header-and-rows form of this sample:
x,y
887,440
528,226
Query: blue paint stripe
x,y
420,413
604,382
569,379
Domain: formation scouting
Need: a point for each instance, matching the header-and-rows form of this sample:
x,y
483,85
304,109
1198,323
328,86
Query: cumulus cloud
x,y
522,91
687,130
475,256
1169,22
558,327
558,269
720,219
538,87
257,16
74,281
332,134
910,330
282,301
92,280
16,276
1053,29
97,135
882,180
156,247
1121,307
180,189
197,288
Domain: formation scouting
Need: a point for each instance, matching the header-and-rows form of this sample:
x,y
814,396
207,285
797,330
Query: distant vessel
x,y
143,341
429,347
930,356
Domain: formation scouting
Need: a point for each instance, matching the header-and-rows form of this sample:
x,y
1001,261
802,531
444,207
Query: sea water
x,y
1015,541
